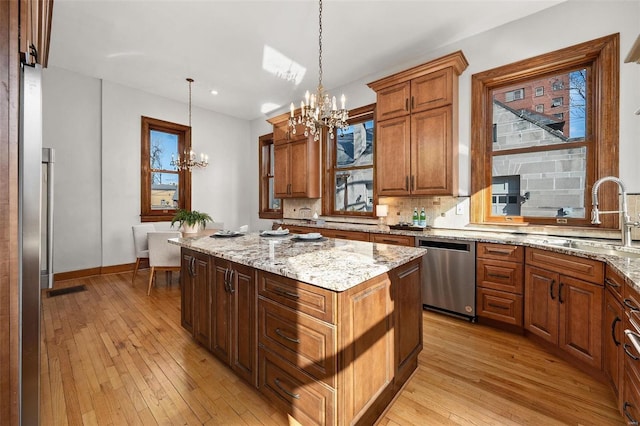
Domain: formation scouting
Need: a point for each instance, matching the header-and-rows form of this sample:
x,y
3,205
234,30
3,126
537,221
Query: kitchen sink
x,y
594,247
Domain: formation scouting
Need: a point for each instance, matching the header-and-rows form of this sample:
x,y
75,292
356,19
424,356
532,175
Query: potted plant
x,y
191,221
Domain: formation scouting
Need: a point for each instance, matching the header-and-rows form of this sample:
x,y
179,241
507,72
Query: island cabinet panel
x,y
233,318
564,310
196,296
186,290
631,347
613,334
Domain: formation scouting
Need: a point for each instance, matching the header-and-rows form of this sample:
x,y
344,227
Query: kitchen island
x,y
328,329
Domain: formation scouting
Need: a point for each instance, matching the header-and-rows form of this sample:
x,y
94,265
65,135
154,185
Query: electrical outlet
x,y
460,208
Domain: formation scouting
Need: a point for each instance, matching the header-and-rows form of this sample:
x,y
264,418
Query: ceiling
x,y
236,46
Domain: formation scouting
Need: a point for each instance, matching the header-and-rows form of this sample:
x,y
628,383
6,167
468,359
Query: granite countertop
x,y
627,266
328,263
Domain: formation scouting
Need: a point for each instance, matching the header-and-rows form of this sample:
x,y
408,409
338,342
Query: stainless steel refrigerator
x,y
29,241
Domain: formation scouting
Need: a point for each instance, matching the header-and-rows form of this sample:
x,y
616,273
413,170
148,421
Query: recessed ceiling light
x,y
214,92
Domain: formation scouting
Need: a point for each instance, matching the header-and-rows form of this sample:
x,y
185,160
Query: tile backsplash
x,y
633,201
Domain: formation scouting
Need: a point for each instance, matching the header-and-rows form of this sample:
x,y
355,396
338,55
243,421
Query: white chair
x,y
162,255
140,244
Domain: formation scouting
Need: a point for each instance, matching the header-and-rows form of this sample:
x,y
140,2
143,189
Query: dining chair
x,y
140,244
162,255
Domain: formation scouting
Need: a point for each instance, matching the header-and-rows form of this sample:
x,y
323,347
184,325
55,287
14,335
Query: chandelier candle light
x,y
188,159
320,109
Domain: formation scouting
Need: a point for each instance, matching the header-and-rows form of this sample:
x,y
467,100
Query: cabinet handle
x,y
493,305
406,183
628,415
494,275
412,103
551,290
626,347
560,293
291,394
192,269
226,280
285,293
613,330
634,339
629,304
231,287
406,104
279,333
611,283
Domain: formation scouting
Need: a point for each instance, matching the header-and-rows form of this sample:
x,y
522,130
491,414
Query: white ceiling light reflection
x,y
267,107
281,66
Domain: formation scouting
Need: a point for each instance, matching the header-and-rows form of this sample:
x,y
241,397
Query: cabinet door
x,y
580,321
220,311
393,101
613,354
201,300
432,153
281,173
393,156
541,303
281,132
433,90
244,358
304,158
186,290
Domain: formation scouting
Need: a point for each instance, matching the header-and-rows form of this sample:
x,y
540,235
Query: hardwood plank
x,y
113,355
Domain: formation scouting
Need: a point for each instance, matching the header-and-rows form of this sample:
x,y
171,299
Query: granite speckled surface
x,y
627,265
330,263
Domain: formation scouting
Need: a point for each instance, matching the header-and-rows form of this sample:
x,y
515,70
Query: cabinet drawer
x,y
345,235
614,282
573,266
305,342
631,398
500,252
500,306
306,298
400,240
500,275
310,402
295,229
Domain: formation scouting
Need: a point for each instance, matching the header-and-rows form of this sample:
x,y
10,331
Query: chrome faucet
x,y
626,221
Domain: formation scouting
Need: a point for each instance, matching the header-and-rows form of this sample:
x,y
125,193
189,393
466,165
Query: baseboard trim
x,y
100,270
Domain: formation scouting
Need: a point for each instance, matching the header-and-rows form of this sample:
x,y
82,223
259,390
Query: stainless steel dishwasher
x,y
449,276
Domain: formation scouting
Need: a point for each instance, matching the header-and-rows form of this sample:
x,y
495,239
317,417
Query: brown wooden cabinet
x,y
398,240
416,129
564,310
499,283
613,333
297,169
196,297
338,357
631,347
233,318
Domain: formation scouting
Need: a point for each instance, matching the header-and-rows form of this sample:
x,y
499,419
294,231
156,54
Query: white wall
x,y
95,127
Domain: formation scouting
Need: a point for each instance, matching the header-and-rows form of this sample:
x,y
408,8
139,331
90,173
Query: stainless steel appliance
x,y
29,216
449,276
46,242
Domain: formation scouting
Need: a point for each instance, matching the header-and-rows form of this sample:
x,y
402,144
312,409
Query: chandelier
x,y
187,160
319,109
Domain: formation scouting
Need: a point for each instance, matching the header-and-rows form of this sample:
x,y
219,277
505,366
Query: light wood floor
x,y
111,355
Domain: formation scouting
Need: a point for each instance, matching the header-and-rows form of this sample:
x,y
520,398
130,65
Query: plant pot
x,y
190,229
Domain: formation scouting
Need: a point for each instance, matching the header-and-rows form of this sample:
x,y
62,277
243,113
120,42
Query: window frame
x,y
183,132
602,55
356,115
264,161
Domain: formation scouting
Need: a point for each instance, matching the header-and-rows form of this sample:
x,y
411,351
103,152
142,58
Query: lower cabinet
x,y
338,358
631,347
613,332
218,307
563,310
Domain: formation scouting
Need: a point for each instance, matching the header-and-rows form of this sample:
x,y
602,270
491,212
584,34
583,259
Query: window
x,y
348,179
556,102
540,91
514,95
557,85
540,170
163,188
270,208
540,108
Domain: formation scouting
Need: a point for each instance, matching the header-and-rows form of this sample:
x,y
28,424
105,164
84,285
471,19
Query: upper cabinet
x,y
416,127
296,161
35,30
